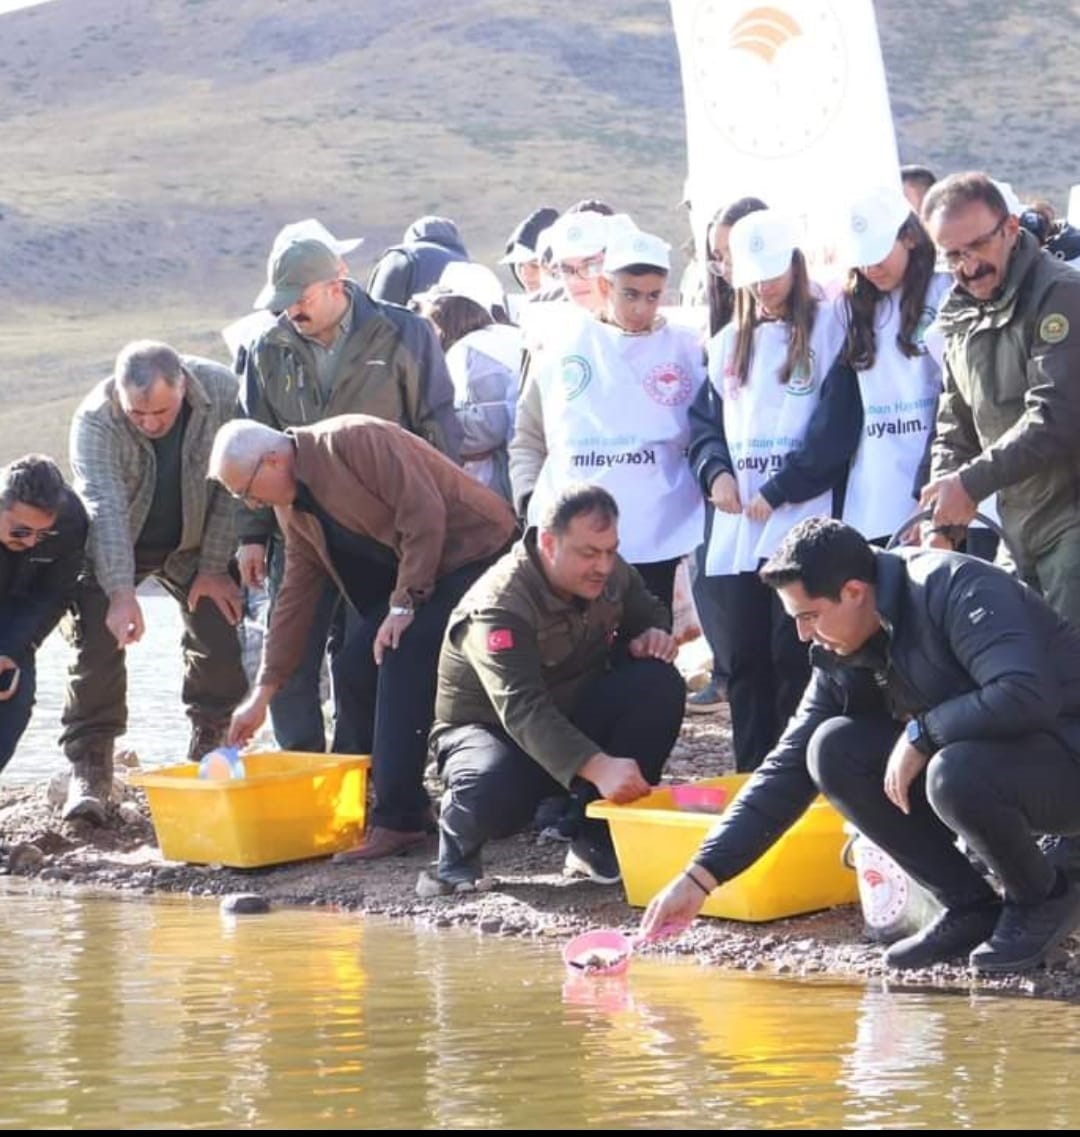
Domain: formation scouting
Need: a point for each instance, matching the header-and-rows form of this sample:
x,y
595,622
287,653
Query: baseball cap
x,y
291,268
309,228
522,245
578,235
633,247
475,281
760,244
870,225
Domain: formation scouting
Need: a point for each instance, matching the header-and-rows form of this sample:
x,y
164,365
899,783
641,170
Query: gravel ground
x,y
531,898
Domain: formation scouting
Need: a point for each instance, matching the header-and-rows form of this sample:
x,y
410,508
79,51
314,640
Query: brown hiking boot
x,y
206,735
90,786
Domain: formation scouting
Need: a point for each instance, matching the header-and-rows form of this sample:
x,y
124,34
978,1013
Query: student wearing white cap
x,y
792,419
890,299
608,403
577,241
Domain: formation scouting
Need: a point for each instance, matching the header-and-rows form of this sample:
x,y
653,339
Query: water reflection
x,y
157,1015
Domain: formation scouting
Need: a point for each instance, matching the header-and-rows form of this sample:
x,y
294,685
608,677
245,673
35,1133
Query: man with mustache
x,y
555,677
333,350
1009,416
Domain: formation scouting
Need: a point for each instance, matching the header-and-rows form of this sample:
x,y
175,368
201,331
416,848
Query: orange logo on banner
x,y
763,31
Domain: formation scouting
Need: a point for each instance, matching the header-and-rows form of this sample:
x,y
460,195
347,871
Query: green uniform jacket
x,y
1009,416
516,655
390,367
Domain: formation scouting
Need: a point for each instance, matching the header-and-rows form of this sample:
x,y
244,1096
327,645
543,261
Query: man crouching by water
x,y
944,702
555,677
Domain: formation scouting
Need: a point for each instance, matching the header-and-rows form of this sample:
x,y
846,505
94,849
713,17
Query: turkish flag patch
x,y
501,639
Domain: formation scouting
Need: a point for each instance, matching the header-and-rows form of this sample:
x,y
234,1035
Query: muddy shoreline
x,y
532,898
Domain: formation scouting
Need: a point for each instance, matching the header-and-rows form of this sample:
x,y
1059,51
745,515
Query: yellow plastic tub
x,y
289,807
802,872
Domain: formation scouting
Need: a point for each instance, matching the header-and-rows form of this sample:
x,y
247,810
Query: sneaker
x,y
90,786
593,859
429,884
708,699
1027,933
951,935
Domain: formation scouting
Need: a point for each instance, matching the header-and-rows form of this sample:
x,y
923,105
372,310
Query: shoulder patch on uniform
x,y
500,639
1054,328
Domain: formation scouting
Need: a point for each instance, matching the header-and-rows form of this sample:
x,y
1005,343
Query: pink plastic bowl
x,y
601,952
699,799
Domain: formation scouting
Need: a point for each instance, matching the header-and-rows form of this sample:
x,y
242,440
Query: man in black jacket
x,y
944,701
42,534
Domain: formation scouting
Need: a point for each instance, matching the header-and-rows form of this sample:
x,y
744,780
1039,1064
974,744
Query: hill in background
x,y
153,150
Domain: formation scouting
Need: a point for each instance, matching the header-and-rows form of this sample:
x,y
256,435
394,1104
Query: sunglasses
x,y
244,495
25,532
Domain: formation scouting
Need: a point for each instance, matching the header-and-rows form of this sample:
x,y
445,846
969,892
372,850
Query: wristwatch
x,y
400,610
917,735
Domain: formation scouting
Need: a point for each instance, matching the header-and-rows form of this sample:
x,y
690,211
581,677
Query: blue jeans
x,y
296,709
15,712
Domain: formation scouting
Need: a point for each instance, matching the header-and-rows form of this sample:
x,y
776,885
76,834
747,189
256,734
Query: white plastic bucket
x,y
893,905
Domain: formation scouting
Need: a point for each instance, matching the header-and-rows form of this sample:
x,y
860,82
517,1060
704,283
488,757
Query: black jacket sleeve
x,y
708,450
778,794
831,439
42,588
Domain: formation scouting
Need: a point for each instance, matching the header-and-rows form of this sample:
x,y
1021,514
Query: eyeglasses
x,y
954,258
244,495
587,270
25,532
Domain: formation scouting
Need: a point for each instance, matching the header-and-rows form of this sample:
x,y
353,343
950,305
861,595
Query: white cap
x,y
521,254
870,226
633,247
1012,202
577,235
760,244
310,229
1072,212
476,281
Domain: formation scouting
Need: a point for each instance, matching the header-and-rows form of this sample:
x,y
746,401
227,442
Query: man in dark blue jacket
x,y
42,534
944,702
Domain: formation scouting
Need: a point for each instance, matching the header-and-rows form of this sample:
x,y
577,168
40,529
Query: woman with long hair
x,y
791,417
890,299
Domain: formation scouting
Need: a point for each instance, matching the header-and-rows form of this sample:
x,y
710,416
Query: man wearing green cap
x,y
333,350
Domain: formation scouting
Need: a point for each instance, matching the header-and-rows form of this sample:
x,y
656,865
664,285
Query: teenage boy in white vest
x,y
610,404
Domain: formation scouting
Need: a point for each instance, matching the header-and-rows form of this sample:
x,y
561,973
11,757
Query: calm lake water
x,y
164,1014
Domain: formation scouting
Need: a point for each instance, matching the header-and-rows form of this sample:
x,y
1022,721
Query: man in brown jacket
x,y
402,531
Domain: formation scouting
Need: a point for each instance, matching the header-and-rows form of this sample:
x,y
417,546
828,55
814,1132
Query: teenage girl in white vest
x,y
792,419
608,404
891,297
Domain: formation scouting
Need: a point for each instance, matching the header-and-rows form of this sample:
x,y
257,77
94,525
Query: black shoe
x,y
950,935
1027,933
1063,853
594,858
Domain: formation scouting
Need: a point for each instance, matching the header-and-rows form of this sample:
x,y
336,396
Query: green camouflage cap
x,y
291,269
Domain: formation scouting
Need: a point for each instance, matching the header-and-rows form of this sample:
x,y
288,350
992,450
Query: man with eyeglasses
x,y
1009,416
332,350
42,536
140,449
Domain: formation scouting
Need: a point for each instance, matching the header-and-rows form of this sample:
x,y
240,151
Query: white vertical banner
x,y
786,101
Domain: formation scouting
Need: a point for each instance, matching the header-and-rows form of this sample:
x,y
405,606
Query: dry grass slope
x,y
153,150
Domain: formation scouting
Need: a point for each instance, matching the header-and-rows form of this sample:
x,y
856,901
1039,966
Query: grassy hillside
x,y
152,150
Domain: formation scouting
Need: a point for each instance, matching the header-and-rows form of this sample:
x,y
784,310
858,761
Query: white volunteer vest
x,y
615,414
899,397
764,420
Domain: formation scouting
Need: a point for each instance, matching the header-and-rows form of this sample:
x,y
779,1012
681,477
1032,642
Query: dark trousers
x,y
659,578
709,600
493,787
15,712
95,703
389,709
770,668
996,794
